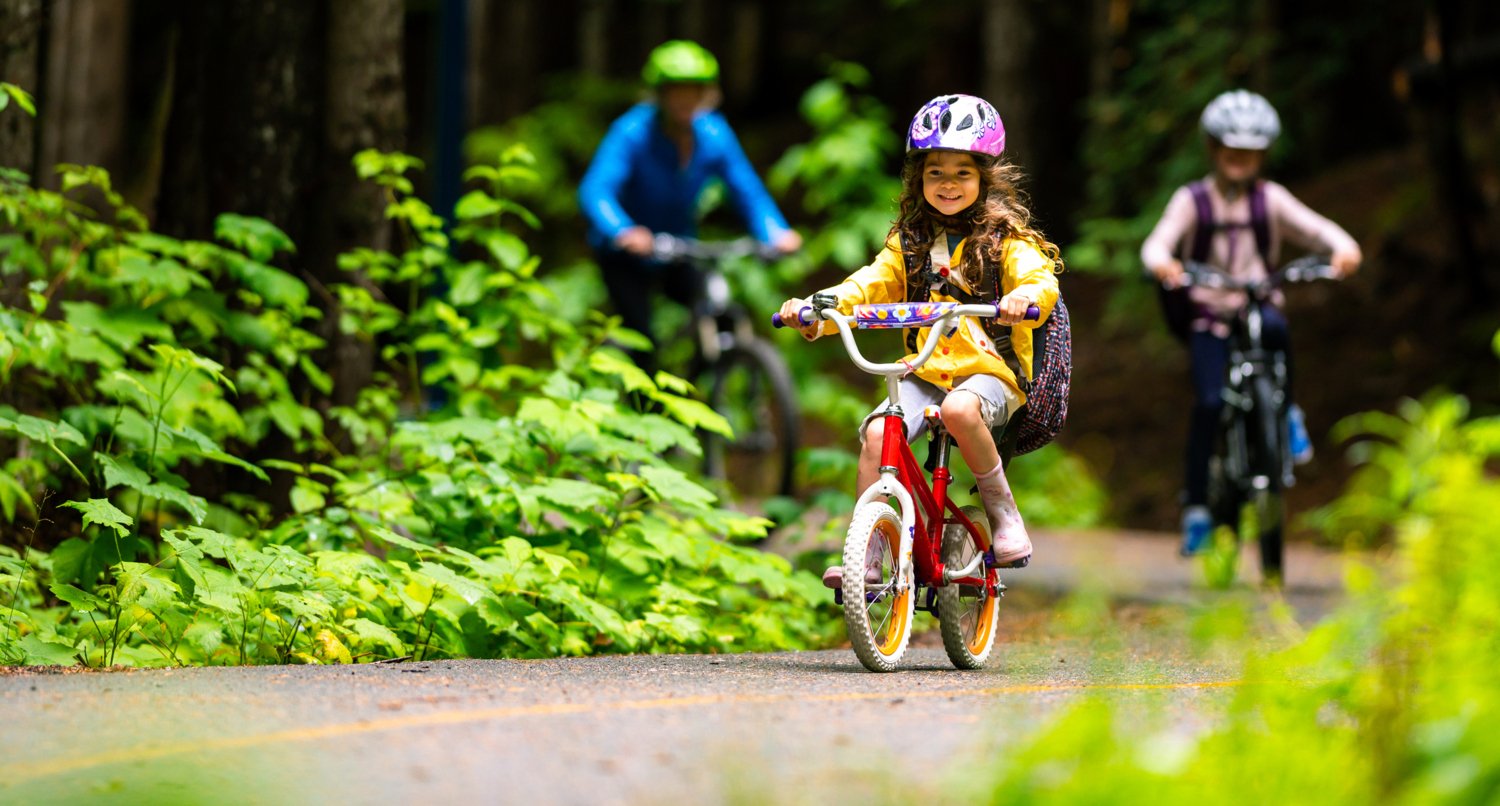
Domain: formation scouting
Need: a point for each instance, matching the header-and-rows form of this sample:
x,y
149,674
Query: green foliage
x,y
22,98
1396,693
1143,140
534,512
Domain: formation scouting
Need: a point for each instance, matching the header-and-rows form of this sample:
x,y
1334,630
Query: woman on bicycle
x,y
963,232
1235,221
646,177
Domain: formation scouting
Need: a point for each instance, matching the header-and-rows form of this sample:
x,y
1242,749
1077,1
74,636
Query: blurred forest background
x,y
1391,111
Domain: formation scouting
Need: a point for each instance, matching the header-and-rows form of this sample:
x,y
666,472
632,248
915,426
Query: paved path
x,y
792,727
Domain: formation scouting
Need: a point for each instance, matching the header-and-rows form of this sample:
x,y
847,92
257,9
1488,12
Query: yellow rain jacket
x,y
968,349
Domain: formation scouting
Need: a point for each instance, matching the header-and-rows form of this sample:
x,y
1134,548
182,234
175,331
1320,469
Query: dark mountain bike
x,y
1252,464
742,375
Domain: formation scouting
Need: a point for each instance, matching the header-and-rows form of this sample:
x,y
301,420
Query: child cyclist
x,y
1234,221
964,231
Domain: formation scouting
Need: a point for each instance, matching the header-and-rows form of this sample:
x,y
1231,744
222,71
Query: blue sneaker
x,y
1298,441
1197,524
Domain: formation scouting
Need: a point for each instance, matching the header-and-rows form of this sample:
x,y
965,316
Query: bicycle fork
x,y
888,486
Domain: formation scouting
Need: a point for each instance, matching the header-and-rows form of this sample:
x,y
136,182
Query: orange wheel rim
x,y
984,623
895,630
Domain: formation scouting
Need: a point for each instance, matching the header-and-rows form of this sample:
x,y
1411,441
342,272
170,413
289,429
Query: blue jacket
x,y
637,178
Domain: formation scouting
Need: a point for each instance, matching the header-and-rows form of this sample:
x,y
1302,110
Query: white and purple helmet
x,y
1241,119
957,123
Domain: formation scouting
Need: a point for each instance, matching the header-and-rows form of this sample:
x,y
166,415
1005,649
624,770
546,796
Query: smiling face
x,y
950,181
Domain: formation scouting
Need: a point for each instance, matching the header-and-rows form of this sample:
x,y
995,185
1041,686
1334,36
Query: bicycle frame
x,y
928,520
923,508
1248,359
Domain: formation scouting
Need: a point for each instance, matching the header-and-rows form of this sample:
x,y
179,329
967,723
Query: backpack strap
x,y
919,284
1204,231
1260,222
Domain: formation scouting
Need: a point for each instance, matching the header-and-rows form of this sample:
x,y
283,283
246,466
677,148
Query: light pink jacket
x,y
1232,249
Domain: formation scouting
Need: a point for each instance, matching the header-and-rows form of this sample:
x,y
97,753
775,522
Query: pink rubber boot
x,y
1012,546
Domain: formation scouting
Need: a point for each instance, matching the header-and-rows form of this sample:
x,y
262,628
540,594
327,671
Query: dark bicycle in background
x,y
1252,463
742,375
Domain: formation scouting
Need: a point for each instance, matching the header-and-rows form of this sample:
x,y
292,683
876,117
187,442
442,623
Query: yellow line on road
x,y
16,773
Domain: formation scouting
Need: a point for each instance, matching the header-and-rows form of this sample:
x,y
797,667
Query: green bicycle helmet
x,y
680,61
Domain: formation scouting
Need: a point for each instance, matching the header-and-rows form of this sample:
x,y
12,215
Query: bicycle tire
x,y
1270,515
967,614
752,388
879,630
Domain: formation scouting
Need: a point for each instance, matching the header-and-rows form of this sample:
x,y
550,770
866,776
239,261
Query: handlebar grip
x,y
1033,312
804,315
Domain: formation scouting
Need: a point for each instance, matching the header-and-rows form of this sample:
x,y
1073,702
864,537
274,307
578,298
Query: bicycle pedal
x,y
838,597
1021,563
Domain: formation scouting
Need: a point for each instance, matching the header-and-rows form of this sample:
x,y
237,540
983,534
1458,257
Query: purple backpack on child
x,y
1041,419
1175,305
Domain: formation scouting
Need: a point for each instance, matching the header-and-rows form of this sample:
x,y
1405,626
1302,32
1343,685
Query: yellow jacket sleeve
x,y
884,280
1032,273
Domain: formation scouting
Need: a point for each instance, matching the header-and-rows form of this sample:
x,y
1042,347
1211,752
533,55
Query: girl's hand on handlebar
x,y
1169,274
1012,307
636,240
1346,261
791,312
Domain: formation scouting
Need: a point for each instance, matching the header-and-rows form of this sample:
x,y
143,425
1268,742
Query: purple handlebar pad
x,y
803,314
1032,312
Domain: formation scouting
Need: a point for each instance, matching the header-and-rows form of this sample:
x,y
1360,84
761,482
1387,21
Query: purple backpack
x,y
1041,419
1175,305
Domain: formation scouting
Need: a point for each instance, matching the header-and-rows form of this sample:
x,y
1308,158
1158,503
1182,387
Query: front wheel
x,y
1270,514
967,613
751,387
877,614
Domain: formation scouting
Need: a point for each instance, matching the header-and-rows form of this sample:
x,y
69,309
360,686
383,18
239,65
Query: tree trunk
x,y
742,56
83,118
1008,37
20,25
504,59
366,109
593,37
245,128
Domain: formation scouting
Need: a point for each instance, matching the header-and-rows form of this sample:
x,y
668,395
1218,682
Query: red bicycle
x,y
932,554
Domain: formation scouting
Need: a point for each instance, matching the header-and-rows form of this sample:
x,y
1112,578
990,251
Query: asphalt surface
x,y
810,727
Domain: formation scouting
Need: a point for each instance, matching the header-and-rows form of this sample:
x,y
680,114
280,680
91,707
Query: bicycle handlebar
x,y
938,327
1301,270
806,316
667,248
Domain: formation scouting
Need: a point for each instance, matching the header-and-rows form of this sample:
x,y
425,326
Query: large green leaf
x,y
118,470
195,506
376,634
124,326
256,237
574,494
79,599
100,511
44,431
40,652
674,487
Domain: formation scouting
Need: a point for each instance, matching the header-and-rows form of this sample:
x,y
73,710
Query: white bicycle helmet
x,y
1241,119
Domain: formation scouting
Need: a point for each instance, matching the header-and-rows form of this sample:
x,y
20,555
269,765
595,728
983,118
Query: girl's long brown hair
x,y
998,214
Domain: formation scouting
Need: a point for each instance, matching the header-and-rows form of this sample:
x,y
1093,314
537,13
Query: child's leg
x,y
1209,358
963,415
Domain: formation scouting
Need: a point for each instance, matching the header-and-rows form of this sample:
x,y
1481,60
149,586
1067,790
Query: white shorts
x,y
996,402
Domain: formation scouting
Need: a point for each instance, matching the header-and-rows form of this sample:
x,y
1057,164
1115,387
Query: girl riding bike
x,y
1234,221
963,235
